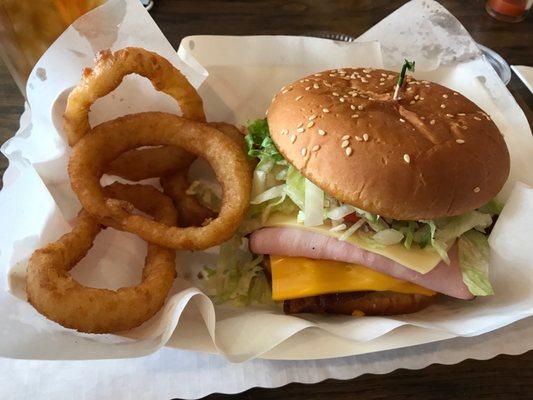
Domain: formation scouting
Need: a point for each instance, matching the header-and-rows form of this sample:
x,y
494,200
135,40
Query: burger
x,y
372,195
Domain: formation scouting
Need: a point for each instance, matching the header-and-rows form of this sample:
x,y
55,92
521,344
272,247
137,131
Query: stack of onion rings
x,y
108,140
137,147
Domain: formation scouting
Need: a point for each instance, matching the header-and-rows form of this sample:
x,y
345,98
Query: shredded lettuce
x,y
474,256
238,277
206,193
388,237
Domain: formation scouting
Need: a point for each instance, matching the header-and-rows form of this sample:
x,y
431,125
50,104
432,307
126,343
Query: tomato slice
x,y
353,218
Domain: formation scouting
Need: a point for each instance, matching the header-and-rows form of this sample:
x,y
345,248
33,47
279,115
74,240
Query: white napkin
x,y
525,73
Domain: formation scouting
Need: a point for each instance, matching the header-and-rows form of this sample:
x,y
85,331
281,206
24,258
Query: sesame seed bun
x,y
432,153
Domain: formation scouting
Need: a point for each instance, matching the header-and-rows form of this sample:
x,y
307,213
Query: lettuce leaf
x,y
474,256
238,277
206,193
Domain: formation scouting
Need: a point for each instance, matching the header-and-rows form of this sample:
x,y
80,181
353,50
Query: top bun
x,y
433,153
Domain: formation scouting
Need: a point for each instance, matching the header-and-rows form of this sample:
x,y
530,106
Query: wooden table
x,y
503,377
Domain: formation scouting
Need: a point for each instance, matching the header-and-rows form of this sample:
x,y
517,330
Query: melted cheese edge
x,y
417,259
296,277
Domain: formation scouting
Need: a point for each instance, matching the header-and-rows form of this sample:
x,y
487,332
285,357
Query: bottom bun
x,y
359,303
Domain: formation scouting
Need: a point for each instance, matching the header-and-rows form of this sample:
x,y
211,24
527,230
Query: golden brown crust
x,y
431,154
359,303
58,296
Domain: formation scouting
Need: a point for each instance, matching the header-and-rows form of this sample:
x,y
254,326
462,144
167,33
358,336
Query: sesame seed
x,y
312,117
325,110
316,147
342,99
335,94
365,137
358,138
303,151
382,74
432,122
293,138
382,83
316,86
352,106
321,132
298,98
464,127
366,71
332,75
360,108
409,89
318,74
306,80
368,76
445,96
402,120
421,98
477,189
442,106
406,158
449,115
345,137
477,118
284,131
300,130
460,141
364,80
310,124
308,88
411,83
355,116
302,80
461,114
345,143
390,76
412,102
417,97
300,125
348,151
455,93
381,79
423,118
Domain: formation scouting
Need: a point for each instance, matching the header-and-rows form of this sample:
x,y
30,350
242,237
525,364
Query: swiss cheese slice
x,y
296,277
415,258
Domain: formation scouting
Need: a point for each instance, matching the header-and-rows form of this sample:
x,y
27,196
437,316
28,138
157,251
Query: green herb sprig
x,y
407,65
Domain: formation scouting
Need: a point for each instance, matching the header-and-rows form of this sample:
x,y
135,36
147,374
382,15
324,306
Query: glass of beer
x,y
29,27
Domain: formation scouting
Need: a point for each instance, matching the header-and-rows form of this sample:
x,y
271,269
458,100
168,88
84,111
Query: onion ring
x,y
108,140
108,72
55,294
152,162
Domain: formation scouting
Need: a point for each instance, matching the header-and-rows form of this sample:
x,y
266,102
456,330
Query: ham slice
x,y
293,242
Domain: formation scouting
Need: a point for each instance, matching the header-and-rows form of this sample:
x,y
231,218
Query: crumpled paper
x,y
244,73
